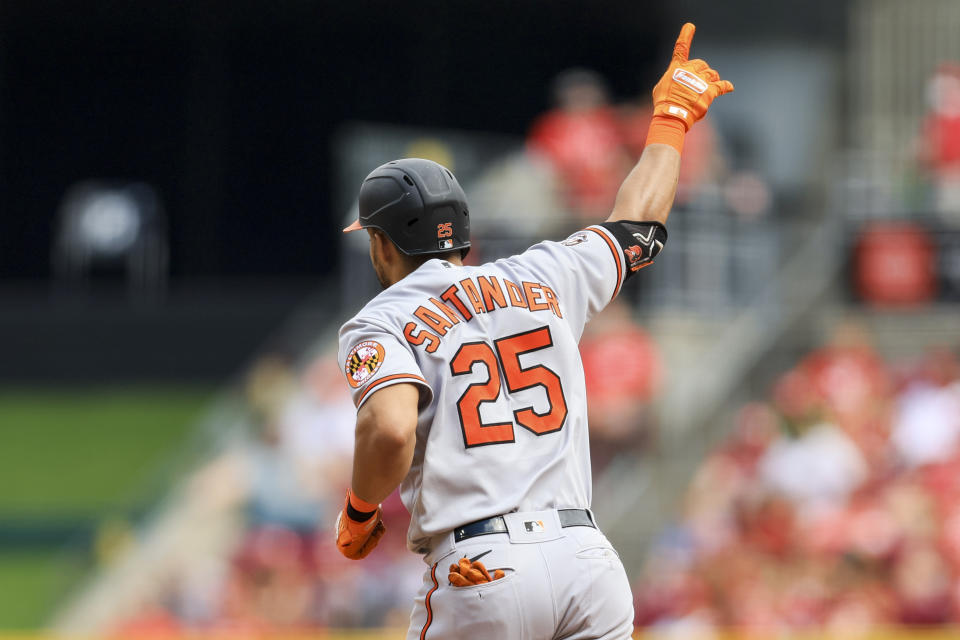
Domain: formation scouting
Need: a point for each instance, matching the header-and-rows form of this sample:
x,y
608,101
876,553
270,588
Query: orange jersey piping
x,y
616,259
436,585
395,376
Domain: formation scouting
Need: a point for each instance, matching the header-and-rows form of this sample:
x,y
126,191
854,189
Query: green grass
x,y
77,457
76,452
30,584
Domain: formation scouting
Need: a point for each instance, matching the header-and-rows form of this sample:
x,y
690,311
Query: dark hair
x,y
416,261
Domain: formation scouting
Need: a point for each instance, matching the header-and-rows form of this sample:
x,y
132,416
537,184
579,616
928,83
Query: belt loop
x,y
440,546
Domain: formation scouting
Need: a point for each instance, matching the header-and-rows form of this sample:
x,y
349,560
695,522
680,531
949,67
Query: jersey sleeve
x,y
590,266
373,359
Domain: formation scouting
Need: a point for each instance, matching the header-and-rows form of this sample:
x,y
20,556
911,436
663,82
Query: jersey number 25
x,y
507,359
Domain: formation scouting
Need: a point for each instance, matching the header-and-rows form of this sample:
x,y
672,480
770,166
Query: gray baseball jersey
x,y
493,348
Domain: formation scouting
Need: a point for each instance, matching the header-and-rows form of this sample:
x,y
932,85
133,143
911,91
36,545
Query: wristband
x,y
359,510
666,130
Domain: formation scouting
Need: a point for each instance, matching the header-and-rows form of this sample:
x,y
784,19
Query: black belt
x,y
496,524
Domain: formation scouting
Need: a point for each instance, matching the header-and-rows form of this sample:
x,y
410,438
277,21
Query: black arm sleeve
x,y
640,242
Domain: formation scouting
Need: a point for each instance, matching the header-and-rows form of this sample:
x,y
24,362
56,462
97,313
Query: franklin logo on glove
x,y
694,82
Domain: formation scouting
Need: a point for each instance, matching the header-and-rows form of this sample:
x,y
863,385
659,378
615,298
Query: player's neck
x,y
403,268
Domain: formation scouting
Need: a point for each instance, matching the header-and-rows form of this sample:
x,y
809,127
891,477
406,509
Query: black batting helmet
x,y
418,204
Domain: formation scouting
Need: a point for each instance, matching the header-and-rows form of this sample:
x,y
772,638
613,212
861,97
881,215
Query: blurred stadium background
x,y
775,407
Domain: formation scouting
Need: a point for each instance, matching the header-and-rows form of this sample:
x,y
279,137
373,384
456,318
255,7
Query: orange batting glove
x,y
689,86
466,573
356,535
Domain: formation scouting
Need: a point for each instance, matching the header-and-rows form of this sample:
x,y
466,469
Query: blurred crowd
x,y
833,505
910,255
938,144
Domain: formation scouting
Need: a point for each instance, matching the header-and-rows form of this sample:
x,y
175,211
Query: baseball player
x,y
470,392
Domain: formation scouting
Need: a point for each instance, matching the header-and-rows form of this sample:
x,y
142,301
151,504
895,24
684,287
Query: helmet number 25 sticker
x,y
518,378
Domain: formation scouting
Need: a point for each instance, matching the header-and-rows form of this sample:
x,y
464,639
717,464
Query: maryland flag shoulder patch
x,y
362,362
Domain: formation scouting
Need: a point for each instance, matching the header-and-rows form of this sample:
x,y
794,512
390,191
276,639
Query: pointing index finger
x,y
681,50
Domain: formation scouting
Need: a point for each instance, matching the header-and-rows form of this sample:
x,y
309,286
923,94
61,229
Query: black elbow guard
x,y
641,242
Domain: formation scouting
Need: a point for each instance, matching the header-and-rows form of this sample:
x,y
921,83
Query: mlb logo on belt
x,y
534,526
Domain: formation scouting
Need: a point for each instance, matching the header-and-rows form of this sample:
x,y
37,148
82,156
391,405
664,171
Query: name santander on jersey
x,y
461,301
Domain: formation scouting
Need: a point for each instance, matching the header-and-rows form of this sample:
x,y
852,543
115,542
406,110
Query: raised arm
x,y
682,97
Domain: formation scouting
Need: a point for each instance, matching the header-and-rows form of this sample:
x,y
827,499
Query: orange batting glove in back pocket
x,y
689,86
466,573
